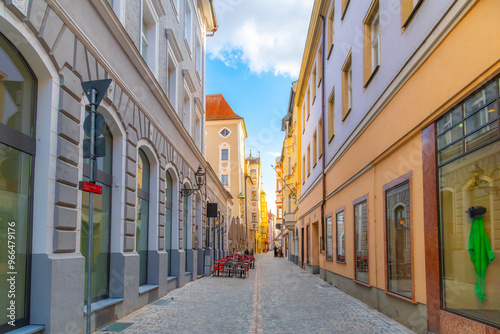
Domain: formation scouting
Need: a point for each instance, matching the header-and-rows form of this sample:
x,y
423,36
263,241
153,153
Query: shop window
x,y
469,201
142,222
329,238
361,241
340,228
470,125
168,218
398,222
102,224
17,157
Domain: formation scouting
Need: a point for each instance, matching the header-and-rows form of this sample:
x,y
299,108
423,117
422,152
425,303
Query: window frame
x,y
143,195
25,144
329,257
406,21
331,116
347,87
406,178
337,213
331,30
359,201
345,5
369,70
224,153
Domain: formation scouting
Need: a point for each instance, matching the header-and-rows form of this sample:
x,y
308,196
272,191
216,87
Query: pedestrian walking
x,y
275,251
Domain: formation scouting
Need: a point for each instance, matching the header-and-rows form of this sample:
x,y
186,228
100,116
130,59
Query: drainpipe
x,y
323,132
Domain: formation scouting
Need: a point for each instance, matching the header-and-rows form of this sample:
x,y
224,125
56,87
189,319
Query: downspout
x,y
323,133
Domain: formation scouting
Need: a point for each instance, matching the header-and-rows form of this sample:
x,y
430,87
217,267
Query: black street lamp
x,y
200,181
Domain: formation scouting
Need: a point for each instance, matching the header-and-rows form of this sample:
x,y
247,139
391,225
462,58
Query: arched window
x,y
17,152
102,223
141,237
168,220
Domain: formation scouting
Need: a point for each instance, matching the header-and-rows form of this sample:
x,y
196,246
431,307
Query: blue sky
x,y
252,60
262,100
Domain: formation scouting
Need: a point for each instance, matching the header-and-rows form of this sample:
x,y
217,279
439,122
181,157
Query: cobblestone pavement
x,y
278,297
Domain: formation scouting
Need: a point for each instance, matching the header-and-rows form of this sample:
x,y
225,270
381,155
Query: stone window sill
x,y
102,304
147,287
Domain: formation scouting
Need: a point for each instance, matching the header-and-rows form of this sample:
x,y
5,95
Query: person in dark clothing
x,y
275,251
247,252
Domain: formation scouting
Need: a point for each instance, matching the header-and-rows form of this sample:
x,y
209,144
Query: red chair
x,y
218,268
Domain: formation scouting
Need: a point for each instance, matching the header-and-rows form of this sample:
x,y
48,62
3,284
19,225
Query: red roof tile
x,y
218,108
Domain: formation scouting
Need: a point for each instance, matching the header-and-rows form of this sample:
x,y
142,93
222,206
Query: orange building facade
x,y
400,200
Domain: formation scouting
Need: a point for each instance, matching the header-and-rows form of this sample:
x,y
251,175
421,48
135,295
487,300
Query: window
x,y
280,212
469,125
470,239
185,215
186,111
303,169
168,219
371,26
340,237
188,23
254,217
198,57
408,10
144,39
142,223
398,222
331,29
102,223
470,131
148,47
315,148
262,215
320,65
225,179
176,6
304,117
254,195
345,4
224,155
279,185
17,97
313,84
361,241
224,133
329,238
171,80
320,138
331,115
197,131
347,86
308,105
308,159
254,173
289,165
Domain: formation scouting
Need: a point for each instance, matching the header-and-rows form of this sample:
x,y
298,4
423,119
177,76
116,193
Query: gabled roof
x,y
219,109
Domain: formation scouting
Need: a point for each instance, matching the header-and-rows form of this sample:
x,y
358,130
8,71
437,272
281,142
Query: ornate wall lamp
x,y
200,181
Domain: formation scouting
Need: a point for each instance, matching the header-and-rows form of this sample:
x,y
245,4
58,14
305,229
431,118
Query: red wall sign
x,y
90,187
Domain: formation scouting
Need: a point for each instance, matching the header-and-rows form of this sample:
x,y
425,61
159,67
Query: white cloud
x,y
268,36
274,154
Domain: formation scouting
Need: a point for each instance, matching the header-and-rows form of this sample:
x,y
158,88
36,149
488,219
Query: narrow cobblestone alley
x,y
278,297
